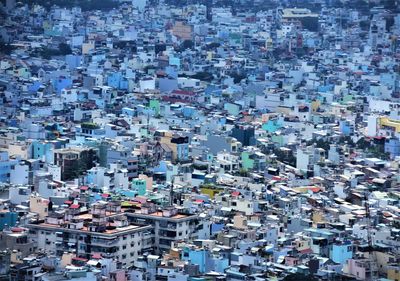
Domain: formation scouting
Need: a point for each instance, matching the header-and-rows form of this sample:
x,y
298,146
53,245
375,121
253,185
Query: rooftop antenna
x,y
148,122
171,192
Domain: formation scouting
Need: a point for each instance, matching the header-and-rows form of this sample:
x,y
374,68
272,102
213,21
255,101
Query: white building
x,y
19,174
107,233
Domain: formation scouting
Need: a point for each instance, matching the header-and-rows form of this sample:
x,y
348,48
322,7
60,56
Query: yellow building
x,y
386,122
318,216
66,259
210,55
39,206
295,13
315,105
240,222
393,272
179,145
210,191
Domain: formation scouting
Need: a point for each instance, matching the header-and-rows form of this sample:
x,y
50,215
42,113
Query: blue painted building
x,y
201,257
217,227
213,90
174,61
340,253
325,88
220,264
171,71
117,81
98,57
61,83
127,193
345,127
34,87
5,166
392,146
271,126
44,149
7,218
188,111
129,111
167,84
139,187
73,61
182,151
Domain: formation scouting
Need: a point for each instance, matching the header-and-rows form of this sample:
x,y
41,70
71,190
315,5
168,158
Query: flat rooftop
x,y
85,229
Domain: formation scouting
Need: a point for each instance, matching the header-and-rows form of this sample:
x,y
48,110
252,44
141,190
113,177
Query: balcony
x,y
167,234
164,243
167,226
147,243
105,250
108,255
103,242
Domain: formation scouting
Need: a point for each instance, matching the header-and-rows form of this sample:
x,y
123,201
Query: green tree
x,y
237,77
203,76
243,172
64,49
363,144
364,25
322,144
46,53
6,49
187,44
346,139
285,157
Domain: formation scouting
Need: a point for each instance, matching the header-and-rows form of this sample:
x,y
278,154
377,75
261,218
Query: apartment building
x,y
74,161
169,225
102,230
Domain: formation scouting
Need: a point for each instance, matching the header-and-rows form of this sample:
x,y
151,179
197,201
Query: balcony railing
x,y
167,226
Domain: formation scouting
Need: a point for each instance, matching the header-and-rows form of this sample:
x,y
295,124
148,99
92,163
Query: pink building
x,y
118,275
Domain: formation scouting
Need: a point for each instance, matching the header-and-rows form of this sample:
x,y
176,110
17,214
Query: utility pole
x,y
171,191
371,252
